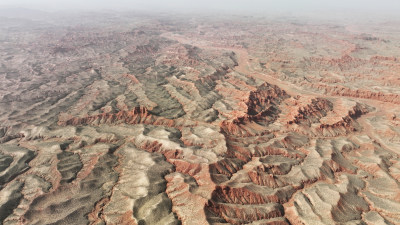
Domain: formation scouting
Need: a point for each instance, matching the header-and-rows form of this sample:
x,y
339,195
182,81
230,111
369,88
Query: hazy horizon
x,y
235,6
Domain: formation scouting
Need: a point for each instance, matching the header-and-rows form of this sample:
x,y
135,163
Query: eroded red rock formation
x,y
199,121
139,115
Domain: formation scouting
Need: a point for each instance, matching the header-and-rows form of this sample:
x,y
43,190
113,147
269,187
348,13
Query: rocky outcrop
x,y
313,112
358,93
138,115
262,109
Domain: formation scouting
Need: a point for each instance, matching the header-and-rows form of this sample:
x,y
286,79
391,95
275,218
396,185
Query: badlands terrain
x,y
159,119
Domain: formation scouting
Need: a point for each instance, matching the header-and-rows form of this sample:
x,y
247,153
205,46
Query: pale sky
x,y
378,6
